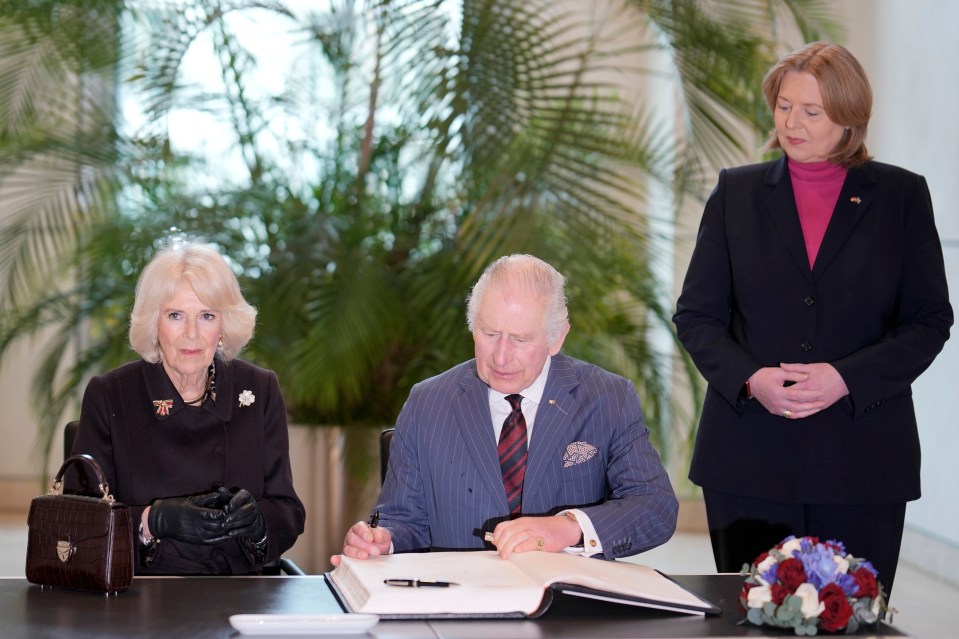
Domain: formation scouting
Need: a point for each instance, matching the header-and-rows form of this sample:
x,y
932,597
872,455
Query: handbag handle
x,y
102,484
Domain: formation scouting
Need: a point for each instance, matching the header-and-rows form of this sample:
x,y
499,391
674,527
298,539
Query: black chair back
x,y
69,434
386,437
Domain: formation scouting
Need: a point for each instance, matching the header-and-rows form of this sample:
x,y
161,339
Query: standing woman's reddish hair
x,y
846,95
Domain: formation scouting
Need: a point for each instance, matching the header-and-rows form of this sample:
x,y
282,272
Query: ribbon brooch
x,y
163,406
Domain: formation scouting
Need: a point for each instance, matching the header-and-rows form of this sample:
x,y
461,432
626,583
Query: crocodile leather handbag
x,y
78,541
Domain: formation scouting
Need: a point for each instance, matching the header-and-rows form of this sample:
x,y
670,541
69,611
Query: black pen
x,y
374,519
418,583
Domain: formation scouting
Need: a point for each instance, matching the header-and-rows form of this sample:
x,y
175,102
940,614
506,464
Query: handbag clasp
x,y
65,550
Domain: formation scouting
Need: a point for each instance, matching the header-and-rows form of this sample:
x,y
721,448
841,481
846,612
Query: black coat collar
x,y
167,401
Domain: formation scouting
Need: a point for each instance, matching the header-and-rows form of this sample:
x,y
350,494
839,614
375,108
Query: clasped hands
x,y
209,518
524,534
795,391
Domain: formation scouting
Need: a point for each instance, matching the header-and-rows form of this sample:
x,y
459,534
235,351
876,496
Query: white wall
x,y
909,49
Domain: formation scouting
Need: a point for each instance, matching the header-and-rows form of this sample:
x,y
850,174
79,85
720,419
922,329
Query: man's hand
x,y
549,534
363,542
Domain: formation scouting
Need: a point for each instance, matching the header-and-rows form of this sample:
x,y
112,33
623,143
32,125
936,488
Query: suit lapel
x,y
553,428
471,410
781,207
857,195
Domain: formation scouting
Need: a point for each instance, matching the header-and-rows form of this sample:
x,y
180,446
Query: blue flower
x,y
819,564
868,566
839,546
771,575
848,584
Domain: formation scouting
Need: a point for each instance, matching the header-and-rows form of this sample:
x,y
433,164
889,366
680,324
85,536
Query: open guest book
x,y
487,586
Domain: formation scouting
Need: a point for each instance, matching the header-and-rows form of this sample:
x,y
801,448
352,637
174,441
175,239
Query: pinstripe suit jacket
x,y
443,487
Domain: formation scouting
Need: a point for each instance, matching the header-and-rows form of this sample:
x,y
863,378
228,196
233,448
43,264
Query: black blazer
x,y
875,306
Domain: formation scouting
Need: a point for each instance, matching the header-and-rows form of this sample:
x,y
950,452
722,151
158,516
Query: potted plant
x,y
408,146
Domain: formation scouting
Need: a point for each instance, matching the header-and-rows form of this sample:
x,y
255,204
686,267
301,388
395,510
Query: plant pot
x,y
336,475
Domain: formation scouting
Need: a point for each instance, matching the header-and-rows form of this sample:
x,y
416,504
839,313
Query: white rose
x,y
758,596
842,566
790,546
811,606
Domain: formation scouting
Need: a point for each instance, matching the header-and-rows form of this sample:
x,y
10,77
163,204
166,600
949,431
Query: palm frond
x,y
361,191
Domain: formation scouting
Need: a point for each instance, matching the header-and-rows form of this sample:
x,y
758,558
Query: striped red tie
x,y
512,454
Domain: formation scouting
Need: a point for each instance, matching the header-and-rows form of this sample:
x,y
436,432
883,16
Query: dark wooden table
x,y
200,607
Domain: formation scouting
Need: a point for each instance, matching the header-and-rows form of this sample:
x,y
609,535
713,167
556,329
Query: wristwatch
x,y
148,542
147,550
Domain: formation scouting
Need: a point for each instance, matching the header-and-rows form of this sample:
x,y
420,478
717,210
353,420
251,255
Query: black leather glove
x,y
247,525
218,499
244,518
198,519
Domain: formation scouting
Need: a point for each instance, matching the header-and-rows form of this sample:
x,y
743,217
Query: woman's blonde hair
x,y
213,281
846,95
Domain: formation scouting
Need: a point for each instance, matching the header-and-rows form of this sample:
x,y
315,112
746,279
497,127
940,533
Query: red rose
x,y
866,582
837,612
744,594
779,593
791,573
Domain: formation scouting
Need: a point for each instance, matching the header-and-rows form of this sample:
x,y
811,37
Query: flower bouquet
x,y
808,586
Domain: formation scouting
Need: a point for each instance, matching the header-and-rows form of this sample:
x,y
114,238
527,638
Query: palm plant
x,y
411,143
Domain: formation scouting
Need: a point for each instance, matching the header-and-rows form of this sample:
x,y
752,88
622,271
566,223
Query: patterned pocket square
x,y
577,453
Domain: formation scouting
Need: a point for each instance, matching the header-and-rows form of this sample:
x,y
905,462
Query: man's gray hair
x,y
530,274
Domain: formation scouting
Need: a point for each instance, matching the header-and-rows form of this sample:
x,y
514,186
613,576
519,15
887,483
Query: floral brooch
x,y
247,398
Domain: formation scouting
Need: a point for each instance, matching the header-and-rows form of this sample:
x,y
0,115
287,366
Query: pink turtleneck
x,y
816,186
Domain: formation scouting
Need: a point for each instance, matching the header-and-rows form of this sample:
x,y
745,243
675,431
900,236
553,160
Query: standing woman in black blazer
x,y
815,296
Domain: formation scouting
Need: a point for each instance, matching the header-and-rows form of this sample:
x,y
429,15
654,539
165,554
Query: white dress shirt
x,y
500,409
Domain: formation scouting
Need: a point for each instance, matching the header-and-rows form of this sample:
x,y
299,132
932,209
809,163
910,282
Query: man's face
x,y
510,339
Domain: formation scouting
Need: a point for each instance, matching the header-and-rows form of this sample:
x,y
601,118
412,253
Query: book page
x,y
486,585
609,576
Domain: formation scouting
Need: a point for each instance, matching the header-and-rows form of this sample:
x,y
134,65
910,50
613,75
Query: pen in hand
x,y
374,519
419,583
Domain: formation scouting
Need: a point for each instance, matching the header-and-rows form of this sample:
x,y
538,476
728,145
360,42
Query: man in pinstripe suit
x,y
594,485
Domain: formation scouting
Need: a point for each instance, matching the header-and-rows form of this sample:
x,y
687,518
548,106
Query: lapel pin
x,y
856,199
552,402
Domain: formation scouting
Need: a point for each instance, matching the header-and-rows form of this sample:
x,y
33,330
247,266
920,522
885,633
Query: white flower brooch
x,y
247,398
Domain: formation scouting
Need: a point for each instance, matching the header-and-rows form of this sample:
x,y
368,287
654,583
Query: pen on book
x,y
419,583
374,519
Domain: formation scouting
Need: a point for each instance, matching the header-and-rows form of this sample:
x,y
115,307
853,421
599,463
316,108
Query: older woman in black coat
x,y
194,440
